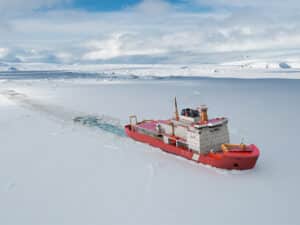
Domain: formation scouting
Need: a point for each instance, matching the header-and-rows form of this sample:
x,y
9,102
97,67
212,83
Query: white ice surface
x,y
55,172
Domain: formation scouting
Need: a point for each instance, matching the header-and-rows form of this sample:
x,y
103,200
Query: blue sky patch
x,y
104,5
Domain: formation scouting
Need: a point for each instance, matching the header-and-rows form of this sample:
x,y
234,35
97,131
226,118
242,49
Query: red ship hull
x,y
237,160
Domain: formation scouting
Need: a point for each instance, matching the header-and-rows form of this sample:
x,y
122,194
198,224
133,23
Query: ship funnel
x,y
203,113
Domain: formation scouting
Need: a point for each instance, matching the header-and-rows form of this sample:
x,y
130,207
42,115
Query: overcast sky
x,y
70,31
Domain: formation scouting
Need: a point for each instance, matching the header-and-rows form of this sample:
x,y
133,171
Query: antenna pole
x,y
176,110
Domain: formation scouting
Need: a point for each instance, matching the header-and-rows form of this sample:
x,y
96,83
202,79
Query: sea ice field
x,y
65,160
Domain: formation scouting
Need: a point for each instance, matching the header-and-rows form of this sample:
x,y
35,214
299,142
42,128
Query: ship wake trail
x,y
102,122
105,123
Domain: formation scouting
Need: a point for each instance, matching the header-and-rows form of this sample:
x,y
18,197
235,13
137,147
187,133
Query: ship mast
x,y
176,110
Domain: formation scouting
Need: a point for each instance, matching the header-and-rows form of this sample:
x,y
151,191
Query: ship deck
x,y
150,125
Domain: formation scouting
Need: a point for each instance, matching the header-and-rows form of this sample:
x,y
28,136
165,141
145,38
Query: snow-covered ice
x,y
55,171
240,69
259,65
250,64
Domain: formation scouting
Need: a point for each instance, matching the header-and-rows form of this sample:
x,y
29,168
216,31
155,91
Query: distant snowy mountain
x,y
258,64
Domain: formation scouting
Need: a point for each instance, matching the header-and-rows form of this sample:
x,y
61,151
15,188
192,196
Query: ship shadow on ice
x,y
103,122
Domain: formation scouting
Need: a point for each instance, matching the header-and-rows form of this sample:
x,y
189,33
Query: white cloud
x,y
153,7
21,5
151,29
249,3
3,52
103,49
121,44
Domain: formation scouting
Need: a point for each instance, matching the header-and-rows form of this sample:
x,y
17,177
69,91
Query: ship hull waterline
x,y
223,160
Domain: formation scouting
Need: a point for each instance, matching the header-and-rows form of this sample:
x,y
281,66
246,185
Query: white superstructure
x,y
196,132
